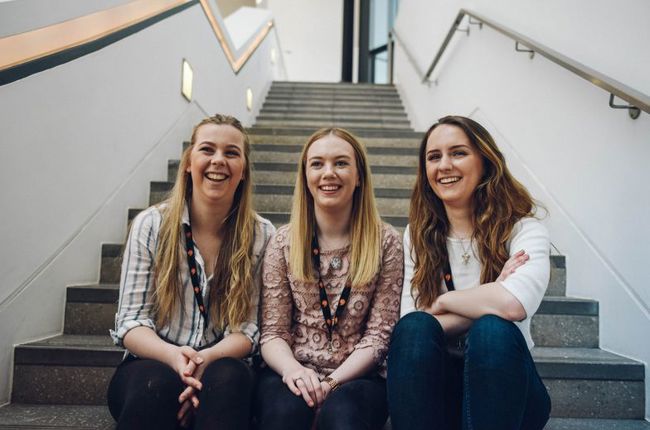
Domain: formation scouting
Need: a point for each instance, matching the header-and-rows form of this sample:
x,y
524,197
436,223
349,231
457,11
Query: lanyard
x,y
449,280
330,321
194,275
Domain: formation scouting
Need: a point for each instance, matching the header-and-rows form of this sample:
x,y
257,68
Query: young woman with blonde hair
x,y
189,293
477,267
332,284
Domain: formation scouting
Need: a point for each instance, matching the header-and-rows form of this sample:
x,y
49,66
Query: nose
x,y
329,169
445,163
217,157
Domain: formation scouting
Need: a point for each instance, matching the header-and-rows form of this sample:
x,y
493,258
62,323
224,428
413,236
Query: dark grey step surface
x,y
88,417
308,130
582,382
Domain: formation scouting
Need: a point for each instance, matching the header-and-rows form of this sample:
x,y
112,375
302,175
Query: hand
x,y
517,260
194,369
185,413
305,382
327,389
182,355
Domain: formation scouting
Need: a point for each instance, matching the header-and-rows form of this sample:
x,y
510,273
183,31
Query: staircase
x,y
61,382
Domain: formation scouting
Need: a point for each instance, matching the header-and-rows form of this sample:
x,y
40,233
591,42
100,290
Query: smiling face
x,y
454,166
331,173
216,163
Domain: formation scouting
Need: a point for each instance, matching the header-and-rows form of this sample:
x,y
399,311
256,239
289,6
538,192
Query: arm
x,y
515,295
452,324
383,313
276,339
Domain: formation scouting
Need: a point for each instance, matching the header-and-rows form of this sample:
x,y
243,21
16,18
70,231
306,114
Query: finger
x,y
192,382
318,389
291,384
195,401
183,411
305,393
187,392
197,359
189,369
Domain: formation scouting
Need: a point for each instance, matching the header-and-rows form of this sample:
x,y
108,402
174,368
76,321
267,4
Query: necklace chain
x,y
466,252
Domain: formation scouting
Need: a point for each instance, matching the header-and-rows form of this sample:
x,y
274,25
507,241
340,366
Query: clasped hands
x,y
190,365
304,382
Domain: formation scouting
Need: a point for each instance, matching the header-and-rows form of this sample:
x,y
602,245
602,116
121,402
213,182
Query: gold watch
x,y
333,383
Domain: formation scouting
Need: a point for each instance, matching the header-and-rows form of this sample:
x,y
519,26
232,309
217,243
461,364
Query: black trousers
x,y
143,394
356,405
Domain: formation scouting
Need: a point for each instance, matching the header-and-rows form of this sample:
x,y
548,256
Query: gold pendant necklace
x,y
465,256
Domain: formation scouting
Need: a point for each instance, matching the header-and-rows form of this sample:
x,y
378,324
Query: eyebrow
x,y
228,145
450,148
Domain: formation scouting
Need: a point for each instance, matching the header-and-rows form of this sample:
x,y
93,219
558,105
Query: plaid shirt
x,y
186,326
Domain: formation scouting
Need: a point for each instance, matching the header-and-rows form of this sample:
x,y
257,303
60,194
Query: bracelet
x,y
333,383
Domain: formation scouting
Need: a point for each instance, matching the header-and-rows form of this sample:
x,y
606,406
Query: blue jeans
x,y
495,386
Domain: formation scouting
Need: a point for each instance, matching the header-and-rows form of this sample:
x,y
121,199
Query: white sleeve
x,y
408,303
529,282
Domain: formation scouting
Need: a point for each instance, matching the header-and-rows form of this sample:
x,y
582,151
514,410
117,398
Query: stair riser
x,y
263,139
89,318
87,386
332,98
557,283
63,385
316,124
578,398
547,330
396,113
336,118
375,160
565,330
334,104
361,132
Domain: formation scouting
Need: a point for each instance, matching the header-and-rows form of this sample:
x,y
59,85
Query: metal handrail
x,y
636,99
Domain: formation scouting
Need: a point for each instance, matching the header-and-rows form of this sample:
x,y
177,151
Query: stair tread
x,y
552,362
29,416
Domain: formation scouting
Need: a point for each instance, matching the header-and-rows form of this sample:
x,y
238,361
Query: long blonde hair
x,y
498,202
365,222
232,282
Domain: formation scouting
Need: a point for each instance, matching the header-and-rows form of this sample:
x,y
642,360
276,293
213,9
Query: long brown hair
x,y
232,282
498,202
365,221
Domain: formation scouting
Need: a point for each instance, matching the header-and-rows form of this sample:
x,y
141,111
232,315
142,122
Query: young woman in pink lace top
x,y
331,294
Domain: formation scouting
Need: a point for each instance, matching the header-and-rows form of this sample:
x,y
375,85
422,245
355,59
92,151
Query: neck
x,y
207,217
460,221
333,225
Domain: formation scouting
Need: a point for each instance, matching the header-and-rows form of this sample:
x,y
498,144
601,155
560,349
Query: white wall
x,y
586,162
17,16
80,143
311,35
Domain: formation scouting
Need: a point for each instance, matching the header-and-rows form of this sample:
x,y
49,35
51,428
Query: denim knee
x,y
420,325
492,337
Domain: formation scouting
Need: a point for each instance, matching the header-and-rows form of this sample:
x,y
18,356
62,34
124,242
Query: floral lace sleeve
x,y
385,304
277,301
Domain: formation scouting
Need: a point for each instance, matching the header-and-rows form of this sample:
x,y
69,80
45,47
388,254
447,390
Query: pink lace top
x,y
291,309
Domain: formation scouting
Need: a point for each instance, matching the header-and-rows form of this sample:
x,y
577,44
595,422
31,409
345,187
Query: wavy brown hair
x,y
232,282
365,228
498,202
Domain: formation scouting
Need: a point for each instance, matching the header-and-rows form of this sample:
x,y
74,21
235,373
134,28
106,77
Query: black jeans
x,y
143,394
495,386
356,405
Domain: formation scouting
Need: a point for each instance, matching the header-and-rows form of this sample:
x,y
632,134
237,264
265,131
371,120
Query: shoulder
x,y
264,227
390,237
280,238
149,219
529,226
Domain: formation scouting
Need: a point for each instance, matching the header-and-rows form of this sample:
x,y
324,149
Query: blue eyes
x,y
454,154
318,164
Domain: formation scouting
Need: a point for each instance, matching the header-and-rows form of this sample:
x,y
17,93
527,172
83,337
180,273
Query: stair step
x,y
358,131
401,158
582,382
595,424
258,136
347,124
72,417
335,117
387,112
332,85
90,417
557,283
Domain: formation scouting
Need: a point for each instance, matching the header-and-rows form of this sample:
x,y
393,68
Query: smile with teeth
x,y
217,177
329,187
449,180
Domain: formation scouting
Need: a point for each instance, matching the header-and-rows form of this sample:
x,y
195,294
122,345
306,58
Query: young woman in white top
x,y
476,269
189,293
